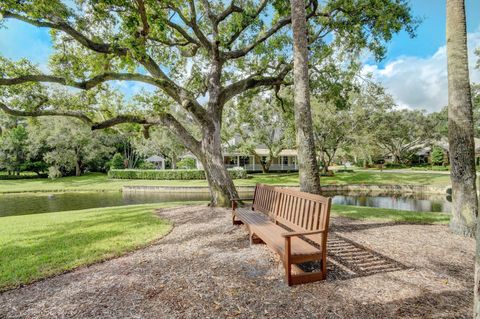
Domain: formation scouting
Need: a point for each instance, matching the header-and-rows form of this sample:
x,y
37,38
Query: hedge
x,y
14,177
168,174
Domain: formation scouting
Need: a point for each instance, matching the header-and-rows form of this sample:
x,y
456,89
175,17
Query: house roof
x,y
155,159
443,143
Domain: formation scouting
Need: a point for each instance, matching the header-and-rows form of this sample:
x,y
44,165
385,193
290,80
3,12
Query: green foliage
x,y
13,151
437,156
145,165
259,122
21,176
395,165
431,168
400,133
177,174
187,163
54,172
160,142
117,162
72,146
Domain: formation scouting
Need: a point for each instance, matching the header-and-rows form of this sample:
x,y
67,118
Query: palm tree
x,y
460,123
307,161
460,134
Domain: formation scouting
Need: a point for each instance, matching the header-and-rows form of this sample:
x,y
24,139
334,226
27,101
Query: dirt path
x,y
206,269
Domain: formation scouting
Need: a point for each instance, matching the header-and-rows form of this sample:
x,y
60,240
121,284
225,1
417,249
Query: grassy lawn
x,y
389,215
37,246
100,182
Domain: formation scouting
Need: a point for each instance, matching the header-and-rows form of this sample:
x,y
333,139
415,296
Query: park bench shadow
x,y
347,259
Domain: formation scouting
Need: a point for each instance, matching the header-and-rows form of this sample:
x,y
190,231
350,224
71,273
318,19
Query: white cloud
x,y
421,83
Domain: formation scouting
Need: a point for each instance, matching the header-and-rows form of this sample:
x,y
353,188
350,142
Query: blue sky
x,y
414,70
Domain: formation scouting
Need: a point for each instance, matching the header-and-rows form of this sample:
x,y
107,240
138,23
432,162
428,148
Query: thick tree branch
x,y
235,54
245,25
167,120
84,85
65,27
253,81
143,16
178,93
183,32
38,113
192,23
228,11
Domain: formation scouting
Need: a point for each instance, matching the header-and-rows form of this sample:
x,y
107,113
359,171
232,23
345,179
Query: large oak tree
x,y
197,54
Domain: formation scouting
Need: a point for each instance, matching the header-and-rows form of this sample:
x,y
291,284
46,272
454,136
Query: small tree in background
x,y
437,156
117,162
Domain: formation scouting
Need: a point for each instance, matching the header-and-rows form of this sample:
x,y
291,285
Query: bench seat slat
x,y
271,234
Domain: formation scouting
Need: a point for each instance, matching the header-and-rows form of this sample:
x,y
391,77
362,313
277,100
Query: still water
x,y
23,204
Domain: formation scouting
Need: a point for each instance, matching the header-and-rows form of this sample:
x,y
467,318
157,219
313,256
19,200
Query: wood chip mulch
x,y
205,268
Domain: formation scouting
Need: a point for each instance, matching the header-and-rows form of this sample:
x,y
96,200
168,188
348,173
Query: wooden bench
x,y
293,224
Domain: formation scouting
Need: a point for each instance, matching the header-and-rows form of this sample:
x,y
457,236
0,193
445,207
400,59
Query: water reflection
x,y
420,203
22,204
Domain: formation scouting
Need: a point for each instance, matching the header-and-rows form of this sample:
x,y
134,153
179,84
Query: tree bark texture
x,y
460,136
460,124
307,161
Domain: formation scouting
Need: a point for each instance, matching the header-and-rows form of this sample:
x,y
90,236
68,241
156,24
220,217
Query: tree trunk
x,y
307,160
78,170
460,124
460,135
222,189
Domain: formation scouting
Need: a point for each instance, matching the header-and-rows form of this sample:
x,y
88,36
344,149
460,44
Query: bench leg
x,y
234,221
254,239
287,263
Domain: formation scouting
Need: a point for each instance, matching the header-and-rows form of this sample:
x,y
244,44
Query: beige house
x,y
286,160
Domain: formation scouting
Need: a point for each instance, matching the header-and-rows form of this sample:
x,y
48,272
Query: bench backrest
x,y
296,210
264,199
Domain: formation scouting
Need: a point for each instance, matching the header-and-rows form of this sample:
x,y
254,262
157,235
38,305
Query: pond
x,y
23,204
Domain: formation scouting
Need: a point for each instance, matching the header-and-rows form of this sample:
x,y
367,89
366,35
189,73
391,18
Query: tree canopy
x,y
196,55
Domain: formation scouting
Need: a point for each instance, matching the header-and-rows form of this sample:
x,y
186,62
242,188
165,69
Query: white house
x,y
286,160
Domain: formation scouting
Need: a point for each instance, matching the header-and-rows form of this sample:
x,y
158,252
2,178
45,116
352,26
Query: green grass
x,y
37,246
100,182
389,215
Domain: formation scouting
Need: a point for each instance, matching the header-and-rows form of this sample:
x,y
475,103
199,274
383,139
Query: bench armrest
x,y
240,199
235,201
302,233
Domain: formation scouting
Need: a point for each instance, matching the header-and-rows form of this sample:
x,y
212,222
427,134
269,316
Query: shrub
x,y
146,165
168,174
54,172
395,165
437,156
117,161
187,163
22,176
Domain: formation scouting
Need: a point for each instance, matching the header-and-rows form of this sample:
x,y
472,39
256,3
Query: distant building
x,y
286,160
158,161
